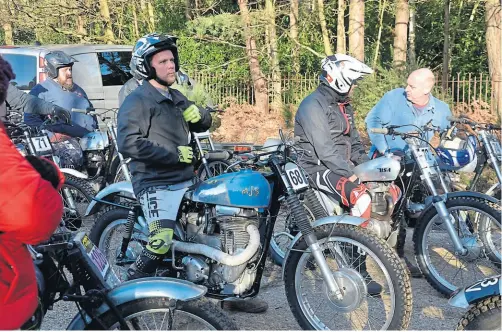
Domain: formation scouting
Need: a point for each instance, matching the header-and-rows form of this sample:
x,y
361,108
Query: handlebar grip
x,y
384,131
453,119
78,110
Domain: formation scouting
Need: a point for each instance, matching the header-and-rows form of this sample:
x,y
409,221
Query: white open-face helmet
x,y
341,71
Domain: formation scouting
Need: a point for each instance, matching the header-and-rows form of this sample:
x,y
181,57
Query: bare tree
x,y
274,56
494,44
341,46
107,24
259,81
6,22
356,29
381,11
325,34
411,35
446,45
401,34
293,32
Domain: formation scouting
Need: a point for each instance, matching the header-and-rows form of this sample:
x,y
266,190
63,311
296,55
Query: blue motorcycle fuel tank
x,y
246,189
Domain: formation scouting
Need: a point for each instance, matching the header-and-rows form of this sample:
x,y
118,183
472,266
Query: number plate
x,y
96,256
496,148
295,177
41,145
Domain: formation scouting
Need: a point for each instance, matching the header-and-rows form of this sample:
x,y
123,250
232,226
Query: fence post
x,y
469,93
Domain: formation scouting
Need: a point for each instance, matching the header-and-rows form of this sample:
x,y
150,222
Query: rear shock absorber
x,y
129,228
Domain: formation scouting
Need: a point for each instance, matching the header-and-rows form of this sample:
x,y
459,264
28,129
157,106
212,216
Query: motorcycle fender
x,y
107,193
146,288
429,205
343,219
73,172
464,297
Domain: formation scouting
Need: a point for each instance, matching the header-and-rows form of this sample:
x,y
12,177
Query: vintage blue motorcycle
x,y
222,238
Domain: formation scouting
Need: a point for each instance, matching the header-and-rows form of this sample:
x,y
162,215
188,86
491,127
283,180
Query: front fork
x,y
439,201
305,227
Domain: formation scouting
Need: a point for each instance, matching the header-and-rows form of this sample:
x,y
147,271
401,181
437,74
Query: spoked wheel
x,y
215,167
357,260
159,314
76,194
477,223
107,234
284,233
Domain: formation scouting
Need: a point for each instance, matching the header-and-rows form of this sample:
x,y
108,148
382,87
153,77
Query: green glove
x,y
185,154
192,114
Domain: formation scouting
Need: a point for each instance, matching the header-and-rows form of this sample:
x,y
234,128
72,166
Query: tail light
x,y
42,75
239,148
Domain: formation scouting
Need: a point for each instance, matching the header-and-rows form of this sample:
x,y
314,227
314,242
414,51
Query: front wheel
x,y
160,314
357,259
76,193
484,315
443,267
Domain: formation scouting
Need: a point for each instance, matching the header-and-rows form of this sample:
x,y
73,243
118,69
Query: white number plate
x,y
95,255
496,148
295,177
41,144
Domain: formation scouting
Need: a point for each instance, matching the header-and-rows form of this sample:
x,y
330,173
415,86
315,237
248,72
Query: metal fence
x,y
465,90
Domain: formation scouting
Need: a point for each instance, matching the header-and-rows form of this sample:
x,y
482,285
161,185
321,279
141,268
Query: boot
x,y
253,305
374,288
145,265
414,270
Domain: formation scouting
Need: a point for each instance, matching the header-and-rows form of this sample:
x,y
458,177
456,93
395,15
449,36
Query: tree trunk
x,y
341,46
293,30
401,34
81,26
356,29
446,45
324,29
151,17
107,24
7,28
274,57
381,7
411,37
493,45
259,81
188,12
135,27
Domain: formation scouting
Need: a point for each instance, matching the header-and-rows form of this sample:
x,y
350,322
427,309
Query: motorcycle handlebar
x,y
383,131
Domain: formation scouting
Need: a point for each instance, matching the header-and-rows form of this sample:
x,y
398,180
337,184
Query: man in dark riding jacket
x,y
332,146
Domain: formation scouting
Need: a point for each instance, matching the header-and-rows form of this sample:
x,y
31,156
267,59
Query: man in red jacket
x,y
30,211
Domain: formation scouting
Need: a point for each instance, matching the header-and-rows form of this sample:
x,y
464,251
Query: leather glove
x,y
185,154
48,170
62,114
192,114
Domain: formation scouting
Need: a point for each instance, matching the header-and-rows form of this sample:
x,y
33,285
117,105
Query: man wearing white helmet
x,y
325,125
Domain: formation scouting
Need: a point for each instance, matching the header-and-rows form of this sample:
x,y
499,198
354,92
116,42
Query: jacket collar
x,y
159,97
331,95
431,106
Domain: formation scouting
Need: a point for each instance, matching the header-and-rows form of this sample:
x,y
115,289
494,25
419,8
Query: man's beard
x,y
67,86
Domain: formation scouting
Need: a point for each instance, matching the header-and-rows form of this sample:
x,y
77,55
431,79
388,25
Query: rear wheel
x,y
162,314
76,193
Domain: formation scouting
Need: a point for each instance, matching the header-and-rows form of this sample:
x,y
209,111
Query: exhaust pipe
x,y
218,255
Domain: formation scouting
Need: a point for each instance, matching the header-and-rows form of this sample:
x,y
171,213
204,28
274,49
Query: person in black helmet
x,y
153,129
60,90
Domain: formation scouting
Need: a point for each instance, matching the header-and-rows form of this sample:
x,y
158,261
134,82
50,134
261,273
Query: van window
x,y
114,67
25,68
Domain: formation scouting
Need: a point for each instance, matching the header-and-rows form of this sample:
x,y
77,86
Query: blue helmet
x,y
458,153
145,48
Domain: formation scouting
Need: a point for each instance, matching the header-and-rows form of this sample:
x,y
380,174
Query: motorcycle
x,y
222,237
487,152
76,193
484,303
470,237
102,161
73,267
